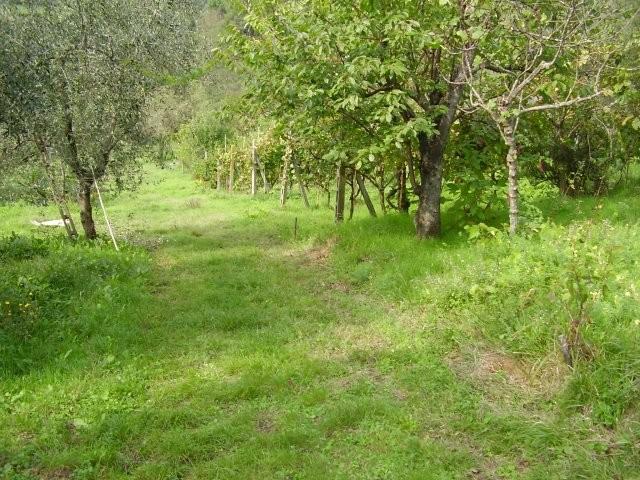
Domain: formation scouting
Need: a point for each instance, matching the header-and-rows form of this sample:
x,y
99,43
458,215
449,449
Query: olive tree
x,y
75,77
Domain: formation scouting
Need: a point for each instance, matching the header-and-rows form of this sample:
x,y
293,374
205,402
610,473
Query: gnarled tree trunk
x,y
432,149
86,211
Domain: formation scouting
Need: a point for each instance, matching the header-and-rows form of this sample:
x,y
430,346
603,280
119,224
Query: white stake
x,y
104,210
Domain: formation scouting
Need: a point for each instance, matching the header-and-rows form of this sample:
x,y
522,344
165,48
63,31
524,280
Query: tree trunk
x,y
86,212
365,195
303,189
58,196
383,199
341,181
354,194
431,164
512,185
432,150
403,200
381,192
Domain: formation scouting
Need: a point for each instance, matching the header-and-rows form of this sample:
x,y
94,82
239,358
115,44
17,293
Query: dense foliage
x,y
418,96
75,78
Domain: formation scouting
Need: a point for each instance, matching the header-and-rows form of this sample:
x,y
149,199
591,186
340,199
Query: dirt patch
x,y
319,255
488,369
53,474
339,286
400,394
488,467
486,472
265,423
489,364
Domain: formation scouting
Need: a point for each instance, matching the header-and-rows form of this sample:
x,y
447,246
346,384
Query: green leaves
x,y
78,74
362,72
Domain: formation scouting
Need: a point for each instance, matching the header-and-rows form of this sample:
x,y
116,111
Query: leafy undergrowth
x,y
348,352
520,296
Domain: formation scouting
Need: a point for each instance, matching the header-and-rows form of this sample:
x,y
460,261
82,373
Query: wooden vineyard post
x,y
254,173
284,190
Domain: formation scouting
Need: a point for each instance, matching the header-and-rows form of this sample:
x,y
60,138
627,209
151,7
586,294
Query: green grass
x,y
232,350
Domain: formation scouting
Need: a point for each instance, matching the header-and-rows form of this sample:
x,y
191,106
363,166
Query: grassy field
x,y
218,345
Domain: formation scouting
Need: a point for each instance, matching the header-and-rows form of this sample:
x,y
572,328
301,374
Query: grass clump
x,y
22,247
48,287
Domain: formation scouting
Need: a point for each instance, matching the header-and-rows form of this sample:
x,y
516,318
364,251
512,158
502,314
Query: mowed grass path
x,y
250,357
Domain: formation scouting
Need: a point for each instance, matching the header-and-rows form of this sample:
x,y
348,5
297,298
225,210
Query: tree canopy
x,y
393,81
75,77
